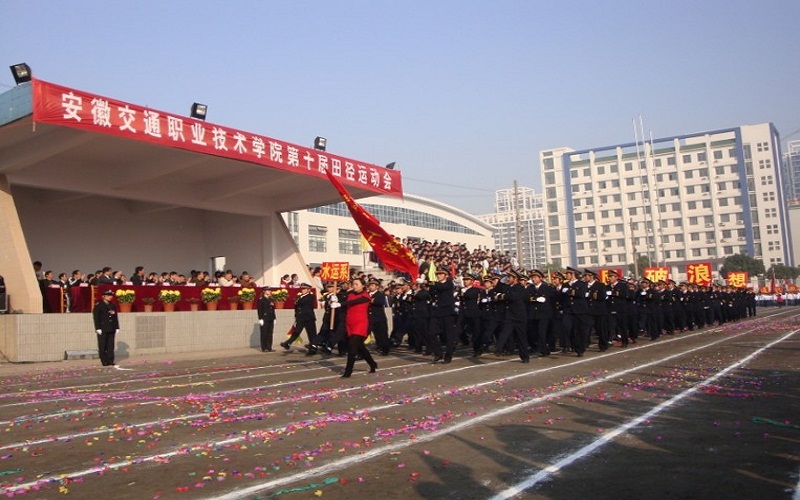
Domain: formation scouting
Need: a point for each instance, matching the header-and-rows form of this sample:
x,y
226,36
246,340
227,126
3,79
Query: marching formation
x,y
517,313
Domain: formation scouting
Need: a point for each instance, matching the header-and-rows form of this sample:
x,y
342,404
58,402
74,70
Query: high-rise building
x,y
686,199
791,173
519,212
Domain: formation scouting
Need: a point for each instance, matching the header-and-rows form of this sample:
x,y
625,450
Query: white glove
x,y
420,280
458,303
335,305
116,331
643,293
464,289
483,301
565,290
261,322
608,292
540,299
99,332
334,298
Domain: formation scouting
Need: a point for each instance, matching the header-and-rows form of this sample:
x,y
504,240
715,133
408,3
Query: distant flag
x,y
394,255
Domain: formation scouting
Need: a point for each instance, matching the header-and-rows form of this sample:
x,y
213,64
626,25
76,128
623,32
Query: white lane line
x,y
606,438
106,430
346,462
280,384
375,452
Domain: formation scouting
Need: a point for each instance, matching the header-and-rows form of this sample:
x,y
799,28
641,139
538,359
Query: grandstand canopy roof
x,y
44,144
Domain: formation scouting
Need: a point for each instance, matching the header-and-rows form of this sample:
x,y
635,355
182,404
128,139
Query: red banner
x,y
656,274
73,108
699,273
393,254
738,279
603,274
335,271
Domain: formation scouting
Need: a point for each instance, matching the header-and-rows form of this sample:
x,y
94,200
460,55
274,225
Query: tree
x,y
741,262
642,261
782,271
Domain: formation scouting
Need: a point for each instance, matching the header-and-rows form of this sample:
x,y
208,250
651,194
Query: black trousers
x,y
380,330
105,347
356,347
309,326
266,334
517,329
442,328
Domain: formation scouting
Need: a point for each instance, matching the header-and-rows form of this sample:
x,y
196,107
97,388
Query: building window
x,y
717,155
548,164
317,238
628,166
555,249
701,156
769,196
550,193
687,158
549,178
770,213
764,164
766,180
688,174
762,146
349,242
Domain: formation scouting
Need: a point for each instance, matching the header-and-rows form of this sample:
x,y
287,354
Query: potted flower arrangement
x,y
233,302
125,299
210,297
246,297
169,298
148,304
279,297
194,303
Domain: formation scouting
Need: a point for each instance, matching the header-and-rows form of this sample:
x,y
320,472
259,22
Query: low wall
x,y
28,338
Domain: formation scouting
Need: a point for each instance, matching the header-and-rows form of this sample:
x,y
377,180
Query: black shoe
x,y
344,375
373,368
580,354
285,345
437,358
311,352
526,360
448,358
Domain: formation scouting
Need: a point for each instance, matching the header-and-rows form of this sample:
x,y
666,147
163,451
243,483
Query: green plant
x,y
125,296
169,296
279,295
247,295
210,295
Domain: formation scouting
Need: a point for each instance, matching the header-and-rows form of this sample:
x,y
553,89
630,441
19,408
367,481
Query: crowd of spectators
x,y
458,259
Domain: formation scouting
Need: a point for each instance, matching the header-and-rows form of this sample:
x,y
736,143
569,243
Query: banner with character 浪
x,y
699,273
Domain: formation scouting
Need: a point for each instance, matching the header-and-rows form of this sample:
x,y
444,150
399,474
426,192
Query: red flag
x,y
394,255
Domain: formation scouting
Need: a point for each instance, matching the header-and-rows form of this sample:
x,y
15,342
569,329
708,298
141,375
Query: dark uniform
x,y
304,319
576,311
619,298
515,297
266,318
106,325
469,310
542,298
443,319
420,317
377,319
598,311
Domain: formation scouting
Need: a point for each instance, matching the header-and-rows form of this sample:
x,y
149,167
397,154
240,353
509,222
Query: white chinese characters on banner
x,y
151,125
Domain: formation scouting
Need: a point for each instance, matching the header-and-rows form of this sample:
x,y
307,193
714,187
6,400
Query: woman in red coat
x,y
357,326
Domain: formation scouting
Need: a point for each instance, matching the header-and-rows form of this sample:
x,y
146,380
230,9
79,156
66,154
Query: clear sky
x,y
461,94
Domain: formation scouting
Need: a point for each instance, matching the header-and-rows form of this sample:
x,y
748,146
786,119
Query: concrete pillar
x,y
15,260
